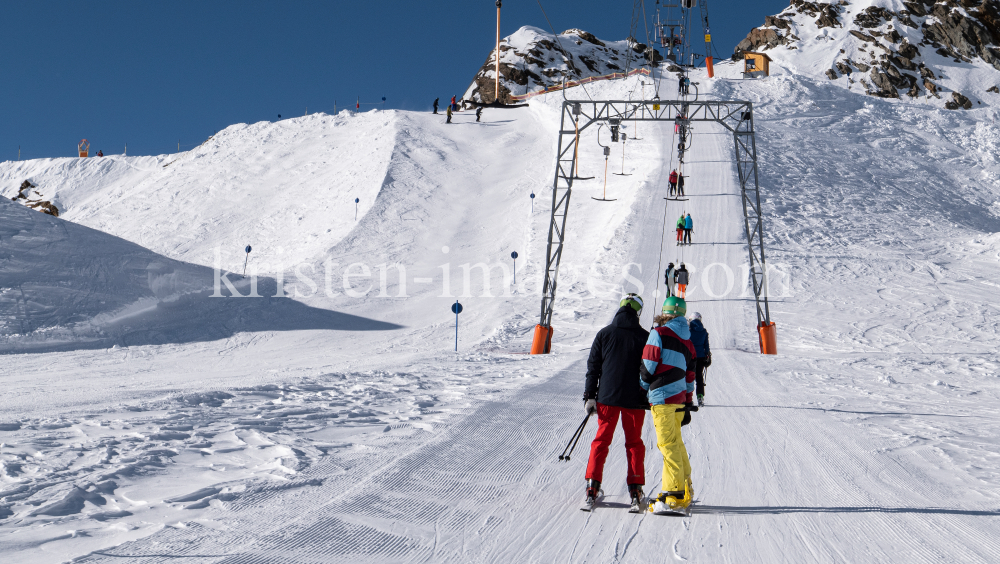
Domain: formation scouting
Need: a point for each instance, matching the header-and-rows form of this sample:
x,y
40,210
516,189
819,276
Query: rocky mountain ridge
x,y
532,59
891,47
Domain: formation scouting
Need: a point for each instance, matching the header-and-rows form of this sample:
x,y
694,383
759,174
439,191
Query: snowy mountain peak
x,y
918,48
532,59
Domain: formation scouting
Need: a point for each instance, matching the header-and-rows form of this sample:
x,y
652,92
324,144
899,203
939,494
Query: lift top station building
x,y
756,65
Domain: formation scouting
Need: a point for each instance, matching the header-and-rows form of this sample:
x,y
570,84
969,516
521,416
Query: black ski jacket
x,y
613,366
681,276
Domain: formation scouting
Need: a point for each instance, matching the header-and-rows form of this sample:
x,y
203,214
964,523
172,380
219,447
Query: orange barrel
x,y
768,338
542,341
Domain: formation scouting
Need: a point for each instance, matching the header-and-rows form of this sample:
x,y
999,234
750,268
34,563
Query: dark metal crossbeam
x,y
735,116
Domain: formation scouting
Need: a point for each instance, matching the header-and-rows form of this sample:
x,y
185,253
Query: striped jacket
x,y
668,360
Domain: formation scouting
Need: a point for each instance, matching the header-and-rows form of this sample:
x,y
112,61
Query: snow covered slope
x,y
57,278
872,436
532,59
66,287
941,52
260,184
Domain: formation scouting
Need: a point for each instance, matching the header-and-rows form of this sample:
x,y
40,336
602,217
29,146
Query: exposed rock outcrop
x,y
775,21
884,87
760,39
531,60
24,197
958,101
826,14
963,37
890,45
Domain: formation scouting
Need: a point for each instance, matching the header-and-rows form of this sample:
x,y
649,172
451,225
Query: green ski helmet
x,y
632,300
674,306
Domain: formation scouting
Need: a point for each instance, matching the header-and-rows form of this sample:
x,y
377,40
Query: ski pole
x,y
578,435
577,438
578,430
574,438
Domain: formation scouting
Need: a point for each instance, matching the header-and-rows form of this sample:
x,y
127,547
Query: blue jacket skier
x,y
703,355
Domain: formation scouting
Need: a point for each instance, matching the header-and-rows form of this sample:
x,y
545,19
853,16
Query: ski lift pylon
x,y
496,103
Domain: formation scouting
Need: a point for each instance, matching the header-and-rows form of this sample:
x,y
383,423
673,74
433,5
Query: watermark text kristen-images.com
x,y
361,280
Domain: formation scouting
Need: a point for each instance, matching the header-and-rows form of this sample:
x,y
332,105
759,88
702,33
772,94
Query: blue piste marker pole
x,y
248,249
457,309
514,256
356,200
532,202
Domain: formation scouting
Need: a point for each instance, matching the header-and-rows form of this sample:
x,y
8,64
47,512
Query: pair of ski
x,y
590,503
638,505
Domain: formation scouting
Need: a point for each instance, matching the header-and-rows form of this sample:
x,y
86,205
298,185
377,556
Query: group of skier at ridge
x,y
453,107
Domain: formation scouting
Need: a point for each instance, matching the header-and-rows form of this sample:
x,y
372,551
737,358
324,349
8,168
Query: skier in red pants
x,y
613,391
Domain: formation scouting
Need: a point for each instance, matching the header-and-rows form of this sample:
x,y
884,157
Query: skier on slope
x,y
613,390
454,106
448,113
673,182
668,279
681,277
680,230
436,100
479,112
688,227
703,355
667,373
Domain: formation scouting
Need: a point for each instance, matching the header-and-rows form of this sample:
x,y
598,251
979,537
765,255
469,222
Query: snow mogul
x,y
613,390
667,373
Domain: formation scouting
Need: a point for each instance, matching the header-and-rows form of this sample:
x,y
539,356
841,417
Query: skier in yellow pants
x,y
676,465
667,374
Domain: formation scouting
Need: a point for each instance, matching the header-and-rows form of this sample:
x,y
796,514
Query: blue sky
x,y
151,74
